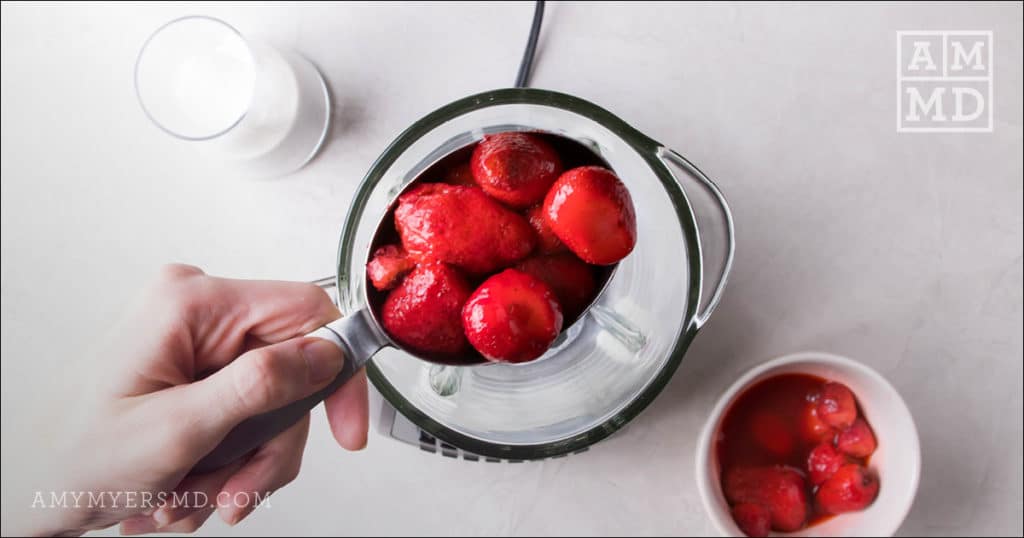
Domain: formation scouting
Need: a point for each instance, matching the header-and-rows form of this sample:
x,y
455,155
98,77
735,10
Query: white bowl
x,y
897,461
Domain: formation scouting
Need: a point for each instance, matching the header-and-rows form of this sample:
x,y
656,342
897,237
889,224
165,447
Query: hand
x,y
155,415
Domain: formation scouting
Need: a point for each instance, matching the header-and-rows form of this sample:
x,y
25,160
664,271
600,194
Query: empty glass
x,y
199,79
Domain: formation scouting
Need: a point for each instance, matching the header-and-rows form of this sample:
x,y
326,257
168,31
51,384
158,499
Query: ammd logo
x,y
944,82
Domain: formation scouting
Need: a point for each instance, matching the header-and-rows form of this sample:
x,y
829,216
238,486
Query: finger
x,y
146,525
273,466
348,413
191,523
279,310
137,525
221,313
259,381
265,311
194,324
197,492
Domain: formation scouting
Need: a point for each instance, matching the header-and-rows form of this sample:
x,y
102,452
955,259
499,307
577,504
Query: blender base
x,y
390,423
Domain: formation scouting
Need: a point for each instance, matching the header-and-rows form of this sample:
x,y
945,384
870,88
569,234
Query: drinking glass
x,y
264,109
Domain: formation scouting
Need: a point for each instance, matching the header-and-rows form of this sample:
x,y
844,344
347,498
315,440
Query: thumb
x,y
267,378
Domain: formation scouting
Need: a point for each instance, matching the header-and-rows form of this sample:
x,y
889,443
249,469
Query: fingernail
x,y
162,517
228,517
239,516
323,359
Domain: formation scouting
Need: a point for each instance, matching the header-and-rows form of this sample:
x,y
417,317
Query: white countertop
x,y
903,251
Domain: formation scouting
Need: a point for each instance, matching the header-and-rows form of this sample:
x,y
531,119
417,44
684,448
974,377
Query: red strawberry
x,y
772,432
752,519
461,226
424,312
837,406
814,429
570,279
857,441
591,211
460,175
779,489
515,168
547,241
849,490
388,267
512,317
823,462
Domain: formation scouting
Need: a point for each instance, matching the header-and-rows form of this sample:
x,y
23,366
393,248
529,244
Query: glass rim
x,y
138,61
647,149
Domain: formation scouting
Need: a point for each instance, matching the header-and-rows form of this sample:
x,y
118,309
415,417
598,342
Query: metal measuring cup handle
x,y
358,337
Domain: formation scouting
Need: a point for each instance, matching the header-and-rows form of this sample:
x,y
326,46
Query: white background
x,y
903,251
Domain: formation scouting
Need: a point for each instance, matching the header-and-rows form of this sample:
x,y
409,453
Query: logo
x,y
944,82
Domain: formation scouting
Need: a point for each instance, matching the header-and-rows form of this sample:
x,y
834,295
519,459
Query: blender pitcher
x,y
607,367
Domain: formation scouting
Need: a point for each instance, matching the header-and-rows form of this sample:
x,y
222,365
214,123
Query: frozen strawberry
x,y
850,489
813,429
773,433
567,276
424,313
460,175
515,168
547,241
857,441
591,211
823,462
463,227
752,519
837,406
512,317
779,489
388,267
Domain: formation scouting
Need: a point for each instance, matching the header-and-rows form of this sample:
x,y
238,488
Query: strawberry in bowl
x,y
769,460
849,440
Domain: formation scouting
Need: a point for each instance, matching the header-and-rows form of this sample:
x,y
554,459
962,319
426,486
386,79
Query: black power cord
x,y
526,65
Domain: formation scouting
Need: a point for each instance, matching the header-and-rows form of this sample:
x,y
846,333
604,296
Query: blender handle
x,y
675,158
358,337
